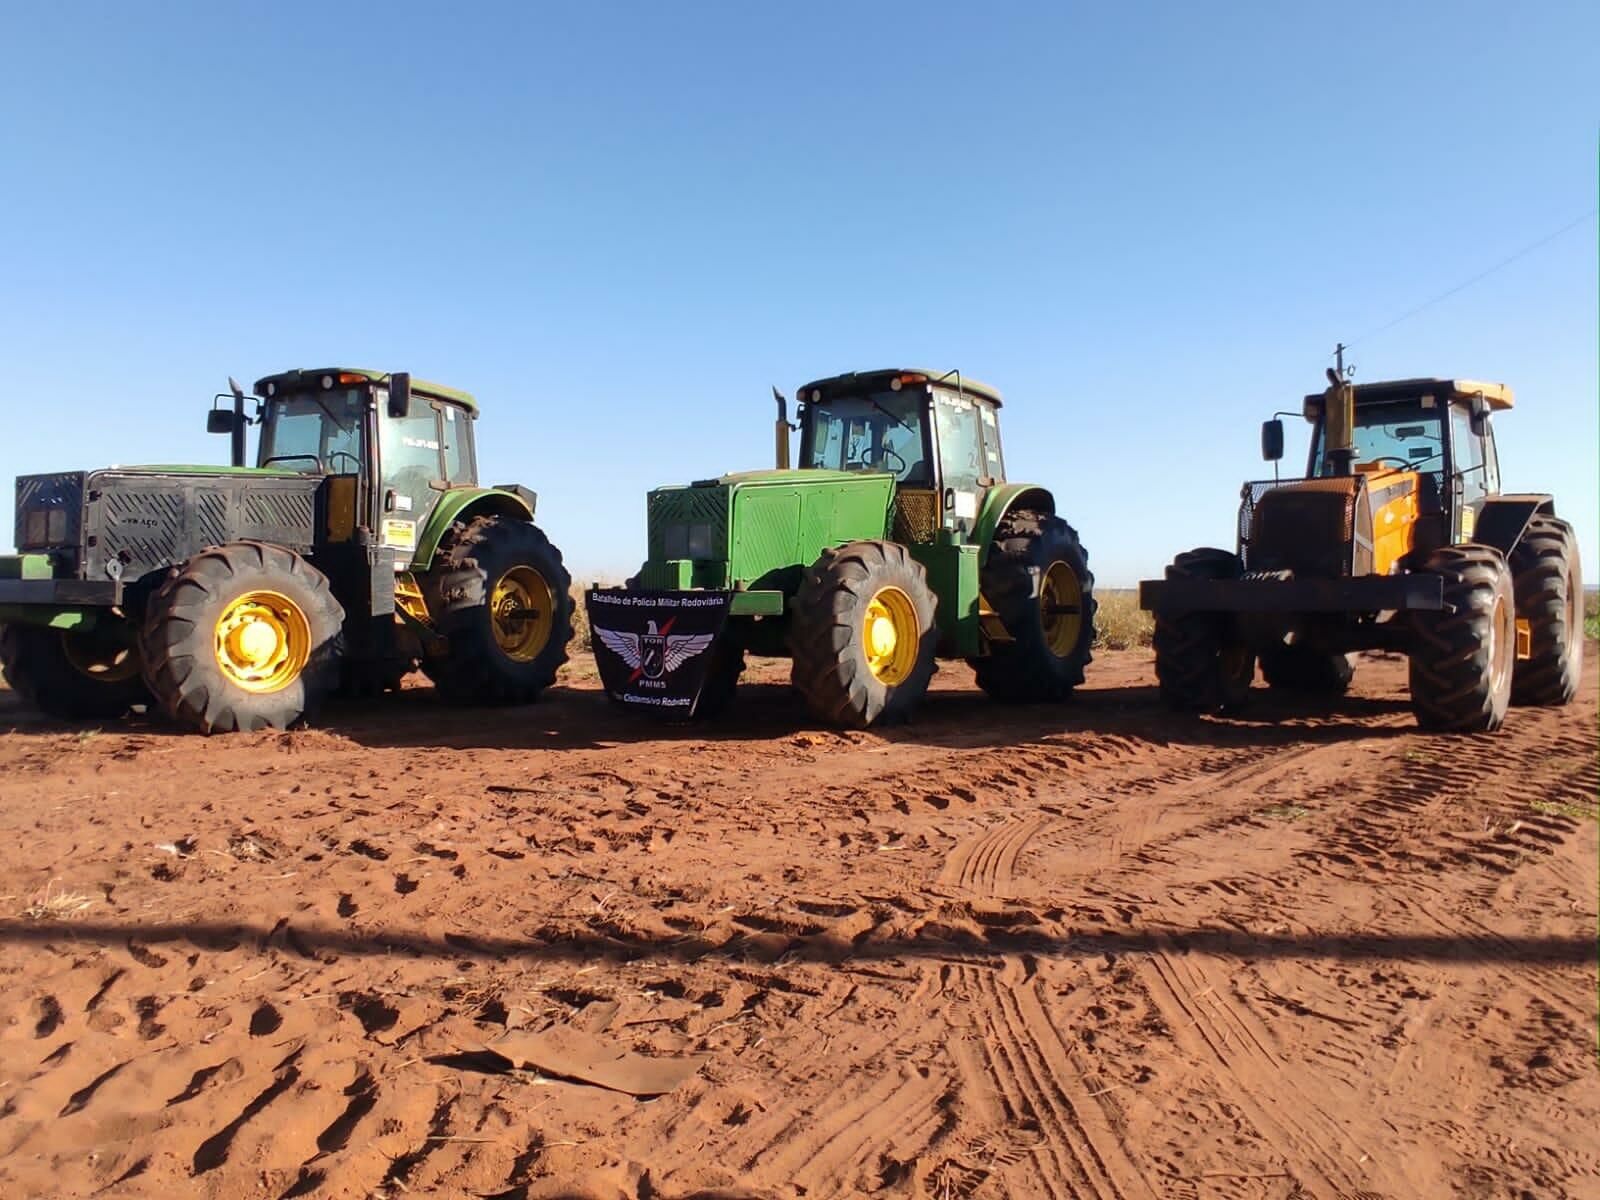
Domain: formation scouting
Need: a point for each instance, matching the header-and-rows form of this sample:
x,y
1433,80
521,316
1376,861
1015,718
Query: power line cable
x,y
1479,277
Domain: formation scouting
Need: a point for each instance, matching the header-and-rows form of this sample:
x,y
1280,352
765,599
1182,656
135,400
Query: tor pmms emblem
x,y
655,652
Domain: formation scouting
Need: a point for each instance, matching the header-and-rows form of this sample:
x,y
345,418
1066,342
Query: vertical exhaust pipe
x,y
781,430
237,441
1339,423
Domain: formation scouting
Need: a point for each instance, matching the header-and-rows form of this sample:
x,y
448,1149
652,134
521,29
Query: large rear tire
x,y
242,636
1548,582
1201,665
70,675
862,634
1313,672
1463,660
1037,580
502,599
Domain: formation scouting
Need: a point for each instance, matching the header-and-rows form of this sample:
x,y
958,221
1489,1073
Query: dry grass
x,y
52,905
1591,614
1121,623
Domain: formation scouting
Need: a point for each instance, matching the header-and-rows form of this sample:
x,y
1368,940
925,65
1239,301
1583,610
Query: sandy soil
x,y
1091,951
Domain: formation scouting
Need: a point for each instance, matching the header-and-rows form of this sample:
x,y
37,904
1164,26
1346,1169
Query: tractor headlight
x,y
44,527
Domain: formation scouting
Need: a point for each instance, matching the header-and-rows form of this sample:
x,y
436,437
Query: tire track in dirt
x,y
1075,1150
1209,1023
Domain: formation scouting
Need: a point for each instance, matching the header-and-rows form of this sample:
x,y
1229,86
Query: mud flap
x,y
653,648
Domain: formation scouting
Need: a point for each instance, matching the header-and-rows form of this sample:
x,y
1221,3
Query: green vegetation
x,y
1573,812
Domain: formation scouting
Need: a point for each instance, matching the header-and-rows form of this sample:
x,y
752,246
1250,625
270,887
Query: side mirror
x,y
1480,415
400,394
221,420
1272,440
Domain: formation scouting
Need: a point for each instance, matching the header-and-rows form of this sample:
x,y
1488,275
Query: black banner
x,y
653,648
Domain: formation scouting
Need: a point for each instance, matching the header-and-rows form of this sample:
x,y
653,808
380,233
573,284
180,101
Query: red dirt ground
x,y
1088,951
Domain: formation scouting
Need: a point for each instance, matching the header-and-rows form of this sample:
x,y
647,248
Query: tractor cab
x,y
938,435
1429,437
391,447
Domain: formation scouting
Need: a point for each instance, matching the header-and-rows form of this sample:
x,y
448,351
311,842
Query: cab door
x,y
1469,482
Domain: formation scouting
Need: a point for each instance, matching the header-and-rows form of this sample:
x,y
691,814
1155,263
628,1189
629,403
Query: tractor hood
x,y
787,475
201,469
737,530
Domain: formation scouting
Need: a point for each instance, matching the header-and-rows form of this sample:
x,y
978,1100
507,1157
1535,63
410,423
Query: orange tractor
x,y
1398,538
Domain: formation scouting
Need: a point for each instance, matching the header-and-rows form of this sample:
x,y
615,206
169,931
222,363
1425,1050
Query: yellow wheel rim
x,y
890,635
102,663
1061,609
1502,644
263,641
522,614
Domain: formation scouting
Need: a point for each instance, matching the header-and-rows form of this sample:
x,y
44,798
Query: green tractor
x,y
358,548
897,540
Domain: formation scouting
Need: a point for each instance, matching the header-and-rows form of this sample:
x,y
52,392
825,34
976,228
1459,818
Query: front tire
x,y
1201,665
1037,580
862,634
1548,582
242,636
502,599
1463,660
73,676
1312,672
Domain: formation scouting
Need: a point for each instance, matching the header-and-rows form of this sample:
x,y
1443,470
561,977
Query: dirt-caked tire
x,y
242,636
1036,578
862,634
378,655
1463,655
1313,672
365,677
721,683
70,675
1200,665
502,599
1548,581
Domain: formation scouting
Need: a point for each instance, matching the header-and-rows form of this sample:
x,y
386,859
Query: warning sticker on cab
x,y
400,534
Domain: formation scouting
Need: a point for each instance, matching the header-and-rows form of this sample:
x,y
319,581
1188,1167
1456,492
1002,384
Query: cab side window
x,y
1469,466
458,464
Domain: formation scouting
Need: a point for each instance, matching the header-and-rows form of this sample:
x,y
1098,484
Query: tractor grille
x,y
1308,526
688,522
916,515
49,511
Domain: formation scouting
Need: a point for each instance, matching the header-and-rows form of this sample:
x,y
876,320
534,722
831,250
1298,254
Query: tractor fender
x,y
1504,519
463,504
999,502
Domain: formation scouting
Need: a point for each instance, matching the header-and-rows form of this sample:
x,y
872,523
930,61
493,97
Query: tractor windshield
x,y
317,433
884,431
1402,433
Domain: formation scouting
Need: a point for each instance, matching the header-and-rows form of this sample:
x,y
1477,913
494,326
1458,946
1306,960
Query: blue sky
x,y
619,224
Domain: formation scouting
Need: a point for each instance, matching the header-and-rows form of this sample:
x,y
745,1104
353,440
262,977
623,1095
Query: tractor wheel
x,y
862,634
1200,665
1300,669
377,657
1548,583
1463,659
242,636
1037,580
503,602
70,675
363,677
722,677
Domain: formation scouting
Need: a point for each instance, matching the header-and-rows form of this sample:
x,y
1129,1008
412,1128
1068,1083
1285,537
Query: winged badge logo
x,y
655,652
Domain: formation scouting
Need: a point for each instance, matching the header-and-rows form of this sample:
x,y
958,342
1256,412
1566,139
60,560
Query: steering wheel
x,y
335,455
1405,463
890,452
